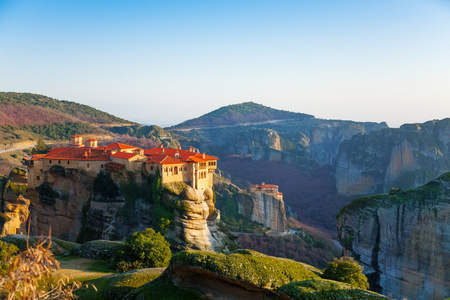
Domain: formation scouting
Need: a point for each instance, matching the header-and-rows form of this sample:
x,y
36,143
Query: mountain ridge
x,y
241,113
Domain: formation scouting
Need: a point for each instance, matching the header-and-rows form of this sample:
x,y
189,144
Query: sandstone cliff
x,y
309,143
258,207
406,157
14,212
80,208
402,239
264,209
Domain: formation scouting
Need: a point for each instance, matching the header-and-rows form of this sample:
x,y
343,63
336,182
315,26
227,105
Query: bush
x,y
346,270
7,251
148,248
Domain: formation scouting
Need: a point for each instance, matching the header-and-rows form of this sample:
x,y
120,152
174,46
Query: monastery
x,y
174,165
270,189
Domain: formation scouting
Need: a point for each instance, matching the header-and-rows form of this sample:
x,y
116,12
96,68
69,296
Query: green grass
x,y
318,289
117,286
162,289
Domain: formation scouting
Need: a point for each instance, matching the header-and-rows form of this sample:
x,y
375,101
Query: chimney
x,y
161,146
263,183
203,154
179,147
162,150
190,149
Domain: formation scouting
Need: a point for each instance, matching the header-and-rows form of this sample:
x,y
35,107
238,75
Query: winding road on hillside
x,y
226,126
24,147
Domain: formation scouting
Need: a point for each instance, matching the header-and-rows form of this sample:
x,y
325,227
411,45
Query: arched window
x,y
68,162
88,165
175,170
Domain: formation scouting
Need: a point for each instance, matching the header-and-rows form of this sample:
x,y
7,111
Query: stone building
x,y
270,189
174,165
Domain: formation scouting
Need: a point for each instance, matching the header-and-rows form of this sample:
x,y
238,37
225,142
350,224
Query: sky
x,y
164,62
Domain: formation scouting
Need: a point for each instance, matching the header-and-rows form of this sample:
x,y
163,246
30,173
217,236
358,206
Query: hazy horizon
x,y
166,62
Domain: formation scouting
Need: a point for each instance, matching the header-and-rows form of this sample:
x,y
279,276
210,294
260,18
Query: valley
x,y
319,166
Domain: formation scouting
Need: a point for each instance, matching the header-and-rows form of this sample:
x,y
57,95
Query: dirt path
x,y
79,268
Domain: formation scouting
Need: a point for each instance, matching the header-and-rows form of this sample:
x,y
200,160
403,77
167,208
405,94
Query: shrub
x,y
346,270
124,266
7,251
148,248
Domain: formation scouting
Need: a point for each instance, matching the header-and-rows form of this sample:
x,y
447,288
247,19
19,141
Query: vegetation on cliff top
x,y
242,113
259,269
433,191
319,289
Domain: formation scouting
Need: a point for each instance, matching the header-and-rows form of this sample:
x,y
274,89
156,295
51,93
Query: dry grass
x,y
31,276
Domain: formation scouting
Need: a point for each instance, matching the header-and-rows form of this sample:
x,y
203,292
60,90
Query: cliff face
x,y
79,207
405,157
402,239
14,207
309,143
264,209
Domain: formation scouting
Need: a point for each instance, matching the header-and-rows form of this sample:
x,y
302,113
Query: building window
x,y
151,168
175,171
165,169
38,178
185,168
68,162
59,161
88,165
50,161
101,166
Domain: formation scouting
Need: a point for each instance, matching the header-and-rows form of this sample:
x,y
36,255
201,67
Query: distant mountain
x,y
243,113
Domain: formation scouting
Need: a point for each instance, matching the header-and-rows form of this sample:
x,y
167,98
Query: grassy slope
x,y
62,109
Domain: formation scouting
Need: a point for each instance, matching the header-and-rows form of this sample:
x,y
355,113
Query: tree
x,y
149,248
346,270
40,148
7,252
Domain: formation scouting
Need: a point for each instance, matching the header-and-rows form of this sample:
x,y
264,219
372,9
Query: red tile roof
x,y
183,155
35,157
93,140
164,160
76,136
81,153
124,155
117,146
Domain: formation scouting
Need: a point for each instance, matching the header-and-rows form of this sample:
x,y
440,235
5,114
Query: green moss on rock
x,y
246,265
320,289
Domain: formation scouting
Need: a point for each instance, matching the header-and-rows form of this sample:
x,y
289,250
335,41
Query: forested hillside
x,y
25,116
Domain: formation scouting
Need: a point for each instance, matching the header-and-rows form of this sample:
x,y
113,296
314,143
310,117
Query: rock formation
x,y
402,240
246,274
80,208
406,157
264,209
14,212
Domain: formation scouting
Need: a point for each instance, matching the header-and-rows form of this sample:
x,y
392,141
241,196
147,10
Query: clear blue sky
x,y
163,62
